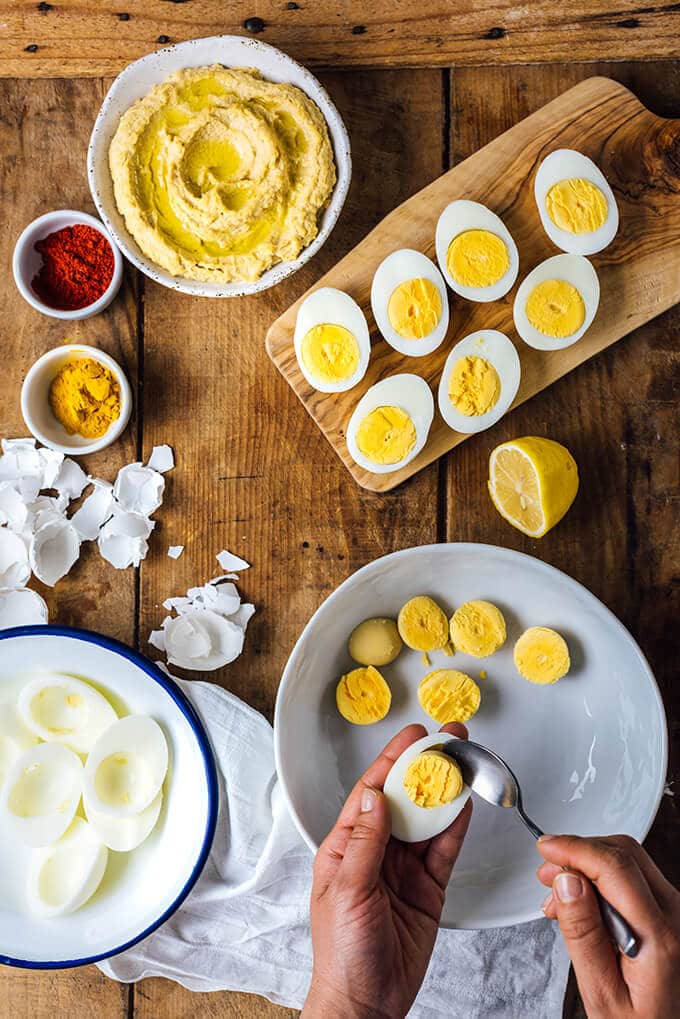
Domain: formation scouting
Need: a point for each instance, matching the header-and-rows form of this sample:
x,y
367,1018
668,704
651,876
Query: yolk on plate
x,y
386,435
477,258
363,696
123,778
433,779
423,626
541,655
555,308
448,696
414,308
576,205
330,353
478,629
375,642
474,386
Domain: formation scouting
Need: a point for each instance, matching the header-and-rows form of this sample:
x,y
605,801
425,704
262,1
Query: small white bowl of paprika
x,y
66,265
76,399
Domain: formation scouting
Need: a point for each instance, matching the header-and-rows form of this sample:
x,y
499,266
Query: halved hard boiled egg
x,y
576,204
557,302
479,381
331,340
122,834
412,822
390,423
62,709
41,793
126,768
476,253
64,876
15,738
409,302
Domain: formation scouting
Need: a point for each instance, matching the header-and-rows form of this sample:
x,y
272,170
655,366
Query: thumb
x,y
363,859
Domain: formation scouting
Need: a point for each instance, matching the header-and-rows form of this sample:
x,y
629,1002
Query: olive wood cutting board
x,y
639,154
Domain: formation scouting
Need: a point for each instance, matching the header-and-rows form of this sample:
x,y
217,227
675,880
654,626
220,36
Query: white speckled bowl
x,y
140,77
590,751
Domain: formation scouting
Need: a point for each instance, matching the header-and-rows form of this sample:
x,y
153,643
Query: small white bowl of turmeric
x,y
76,399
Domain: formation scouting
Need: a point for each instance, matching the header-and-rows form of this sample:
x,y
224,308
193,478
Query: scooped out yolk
x,y
541,655
474,386
423,626
555,308
330,353
477,258
375,642
433,779
449,696
362,696
386,435
478,629
414,308
576,205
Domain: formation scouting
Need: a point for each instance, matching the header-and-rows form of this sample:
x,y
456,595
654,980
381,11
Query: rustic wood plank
x,y
155,998
618,414
94,594
76,37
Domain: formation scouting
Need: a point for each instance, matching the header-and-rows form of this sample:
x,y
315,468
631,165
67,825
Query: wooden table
x,y
253,473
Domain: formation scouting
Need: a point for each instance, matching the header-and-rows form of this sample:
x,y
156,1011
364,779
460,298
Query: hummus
x,y
220,174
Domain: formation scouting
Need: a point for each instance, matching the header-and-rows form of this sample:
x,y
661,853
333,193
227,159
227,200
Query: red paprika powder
x,y
77,267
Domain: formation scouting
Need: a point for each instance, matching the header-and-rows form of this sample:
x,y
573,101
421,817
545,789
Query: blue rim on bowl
x,y
185,707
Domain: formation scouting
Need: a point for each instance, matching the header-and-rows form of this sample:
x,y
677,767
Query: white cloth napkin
x,y
245,925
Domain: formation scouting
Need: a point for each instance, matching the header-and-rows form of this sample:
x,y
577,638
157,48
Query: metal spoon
x,y
489,776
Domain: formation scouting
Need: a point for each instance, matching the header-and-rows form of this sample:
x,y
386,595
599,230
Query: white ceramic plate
x,y
590,751
140,889
140,77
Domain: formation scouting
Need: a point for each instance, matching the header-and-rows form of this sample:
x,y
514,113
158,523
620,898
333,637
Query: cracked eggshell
x,y
15,738
15,570
126,767
139,489
229,561
123,834
71,480
62,877
13,509
203,640
95,511
162,459
400,266
21,607
573,269
62,709
500,352
328,306
41,793
53,550
457,218
175,551
122,539
409,392
565,164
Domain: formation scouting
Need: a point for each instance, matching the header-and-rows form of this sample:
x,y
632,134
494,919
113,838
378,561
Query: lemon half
x,y
532,482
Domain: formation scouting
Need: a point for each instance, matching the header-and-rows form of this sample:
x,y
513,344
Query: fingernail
x,y
546,902
546,838
367,800
568,887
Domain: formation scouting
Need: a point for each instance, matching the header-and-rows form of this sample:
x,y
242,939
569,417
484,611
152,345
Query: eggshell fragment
x,y
95,511
122,539
126,767
139,489
62,709
41,793
175,551
162,459
229,561
15,570
71,481
21,607
202,640
53,550
13,509
123,834
64,876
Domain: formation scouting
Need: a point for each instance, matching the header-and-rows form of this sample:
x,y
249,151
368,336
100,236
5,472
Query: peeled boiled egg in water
x,y
331,340
123,834
126,767
576,204
64,876
476,253
557,302
41,793
390,423
479,382
15,738
409,302
422,774
62,709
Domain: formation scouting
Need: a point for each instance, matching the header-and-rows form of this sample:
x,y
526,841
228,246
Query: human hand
x,y
376,902
612,985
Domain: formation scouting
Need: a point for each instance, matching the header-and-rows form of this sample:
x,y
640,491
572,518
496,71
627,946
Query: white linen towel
x,y
245,925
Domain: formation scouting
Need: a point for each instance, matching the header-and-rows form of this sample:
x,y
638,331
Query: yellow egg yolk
x,y
555,308
362,696
414,308
448,696
477,258
474,386
423,626
386,435
576,205
375,642
478,629
541,655
330,353
433,779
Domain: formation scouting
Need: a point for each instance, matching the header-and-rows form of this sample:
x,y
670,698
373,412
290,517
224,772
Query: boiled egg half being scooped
x,y
425,790
476,253
125,771
557,302
390,423
331,340
64,876
479,382
62,709
576,204
41,794
409,302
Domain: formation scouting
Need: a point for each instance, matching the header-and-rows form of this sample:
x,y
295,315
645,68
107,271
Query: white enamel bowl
x,y
590,751
140,889
140,77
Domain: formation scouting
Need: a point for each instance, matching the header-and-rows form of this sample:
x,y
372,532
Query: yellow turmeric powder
x,y
85,397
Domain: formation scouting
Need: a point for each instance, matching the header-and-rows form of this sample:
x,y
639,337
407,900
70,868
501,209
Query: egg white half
x,y
409,392
123,834
15,738
575,269
62,709
332,307
411,823
41,794
567,164
62,877
499,351
463,215
139,739
402,265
